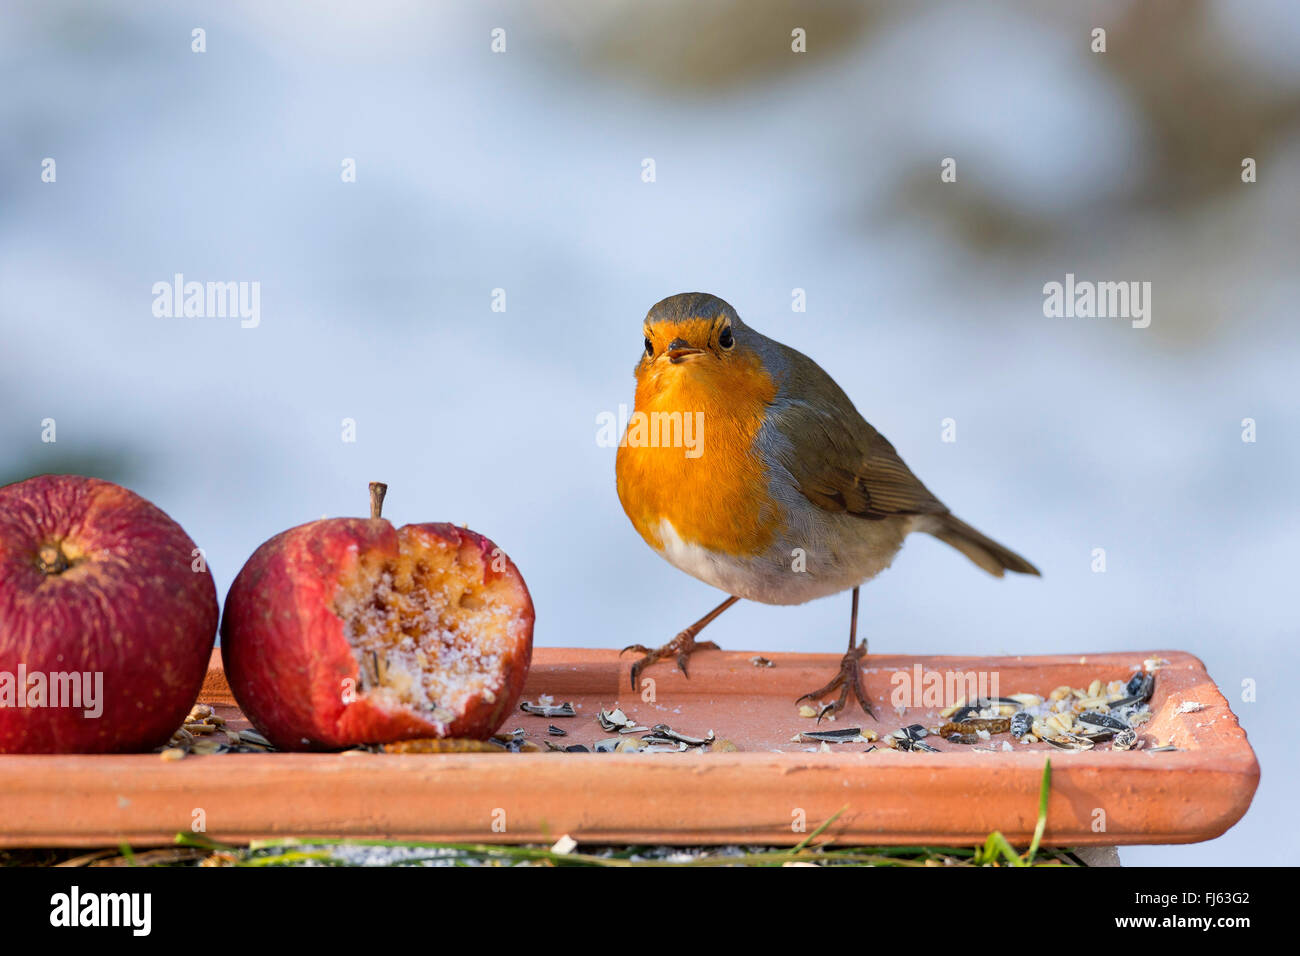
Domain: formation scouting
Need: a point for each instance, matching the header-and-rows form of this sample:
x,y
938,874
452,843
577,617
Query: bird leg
x,y
680,647
850,676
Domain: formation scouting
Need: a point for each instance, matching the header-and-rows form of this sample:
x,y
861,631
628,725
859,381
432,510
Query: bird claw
x,y
849,679
680,648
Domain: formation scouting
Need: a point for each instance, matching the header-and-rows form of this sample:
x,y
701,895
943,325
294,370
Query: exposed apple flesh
x,y
348,631
431,629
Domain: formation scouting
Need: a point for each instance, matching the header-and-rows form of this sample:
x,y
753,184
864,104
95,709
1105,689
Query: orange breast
x,y
715,494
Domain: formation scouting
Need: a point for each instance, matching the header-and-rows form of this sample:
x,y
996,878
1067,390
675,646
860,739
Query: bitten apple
x,y
107,618
349,631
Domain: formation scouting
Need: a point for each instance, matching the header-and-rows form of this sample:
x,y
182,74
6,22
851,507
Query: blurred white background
x,y
775,171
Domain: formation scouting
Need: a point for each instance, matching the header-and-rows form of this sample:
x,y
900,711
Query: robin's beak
x,y
679,349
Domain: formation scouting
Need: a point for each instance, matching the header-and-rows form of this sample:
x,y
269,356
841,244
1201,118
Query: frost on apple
x,y
431,628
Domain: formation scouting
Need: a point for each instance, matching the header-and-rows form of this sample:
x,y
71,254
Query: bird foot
x,y
848,679
680,648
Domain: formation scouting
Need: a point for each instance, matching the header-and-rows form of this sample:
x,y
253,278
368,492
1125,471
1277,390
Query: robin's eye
x,y
649,347
725,339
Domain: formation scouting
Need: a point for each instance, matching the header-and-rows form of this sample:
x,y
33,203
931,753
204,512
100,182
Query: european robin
x,y
745,465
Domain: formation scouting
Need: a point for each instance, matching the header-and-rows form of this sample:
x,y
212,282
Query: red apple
x,y
349,631
107,618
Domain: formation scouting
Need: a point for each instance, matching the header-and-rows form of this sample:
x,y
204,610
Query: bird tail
x,y
983,550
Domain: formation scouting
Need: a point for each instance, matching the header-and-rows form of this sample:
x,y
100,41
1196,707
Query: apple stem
x,y
377,491
52,559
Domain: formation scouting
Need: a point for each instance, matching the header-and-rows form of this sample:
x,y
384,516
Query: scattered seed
x,y
565,845
1124,740
613,720
1091,703
906,743
663,733
548,709
1140,686
845,736
1097,719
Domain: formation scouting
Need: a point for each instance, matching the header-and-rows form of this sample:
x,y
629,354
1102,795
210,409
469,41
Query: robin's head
x,y
688,328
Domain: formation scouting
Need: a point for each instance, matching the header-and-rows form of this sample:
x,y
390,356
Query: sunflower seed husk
x,y
907,743
1124,740
613,720
548,709
1097,719
845,736
663,730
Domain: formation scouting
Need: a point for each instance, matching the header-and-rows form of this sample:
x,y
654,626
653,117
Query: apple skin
x,y
287,657
128,606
